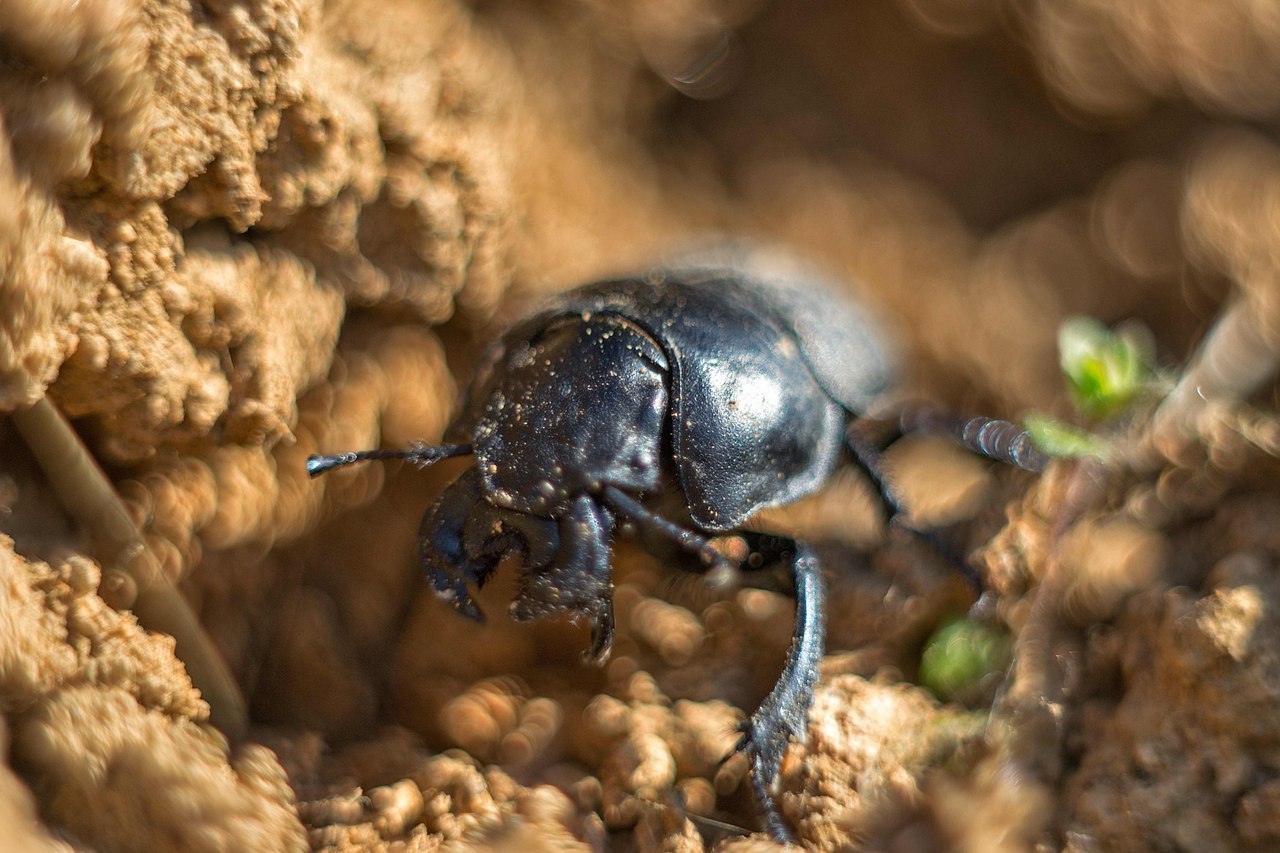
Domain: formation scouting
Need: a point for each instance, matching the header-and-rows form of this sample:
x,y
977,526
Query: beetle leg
x,y
785,711
768,563
441,547
579,580
869,456
1002,441
995,439
694,543
871,459
491,533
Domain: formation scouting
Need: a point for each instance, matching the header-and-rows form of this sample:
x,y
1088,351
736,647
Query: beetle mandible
x,y
729,387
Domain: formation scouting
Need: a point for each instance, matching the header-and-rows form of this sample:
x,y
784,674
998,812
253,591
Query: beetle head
x,y
583,402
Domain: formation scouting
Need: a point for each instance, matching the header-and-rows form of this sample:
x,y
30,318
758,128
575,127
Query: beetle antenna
x,y
421,455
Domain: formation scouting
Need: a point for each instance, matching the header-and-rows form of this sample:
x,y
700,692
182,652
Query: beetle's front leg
x,y
441,548
578,580
785,711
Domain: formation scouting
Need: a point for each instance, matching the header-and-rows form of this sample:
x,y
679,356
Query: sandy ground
x,y
236,233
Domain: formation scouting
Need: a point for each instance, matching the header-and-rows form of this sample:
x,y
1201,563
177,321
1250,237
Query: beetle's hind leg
x,y
1001,441
784,713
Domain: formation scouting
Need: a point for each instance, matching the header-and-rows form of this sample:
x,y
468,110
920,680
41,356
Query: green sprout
x,y
1106,370
1061,440
960,655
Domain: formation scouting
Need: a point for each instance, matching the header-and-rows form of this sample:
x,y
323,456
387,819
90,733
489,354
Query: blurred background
x,y
233,234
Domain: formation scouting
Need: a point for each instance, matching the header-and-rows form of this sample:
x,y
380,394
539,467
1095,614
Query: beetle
x,y
682,401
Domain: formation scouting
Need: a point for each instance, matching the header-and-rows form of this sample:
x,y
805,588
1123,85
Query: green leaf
x,y
1105,369
960,654
1061,440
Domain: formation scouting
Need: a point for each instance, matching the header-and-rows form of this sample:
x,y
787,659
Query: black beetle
x,y
681,401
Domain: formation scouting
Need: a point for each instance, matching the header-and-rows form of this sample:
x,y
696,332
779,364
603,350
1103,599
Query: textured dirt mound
x,y
234,234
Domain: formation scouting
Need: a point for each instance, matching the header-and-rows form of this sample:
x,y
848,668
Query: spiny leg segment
x,y
784,713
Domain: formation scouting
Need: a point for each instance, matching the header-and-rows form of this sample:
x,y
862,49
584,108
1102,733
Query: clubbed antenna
x,y
421,455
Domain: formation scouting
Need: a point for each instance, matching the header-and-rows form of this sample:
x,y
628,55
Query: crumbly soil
x,y
236,233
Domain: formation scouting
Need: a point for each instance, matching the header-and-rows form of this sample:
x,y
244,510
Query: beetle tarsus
x,y
1002,441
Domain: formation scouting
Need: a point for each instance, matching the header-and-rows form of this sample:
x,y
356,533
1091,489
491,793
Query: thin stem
x,y
89,497
1232,361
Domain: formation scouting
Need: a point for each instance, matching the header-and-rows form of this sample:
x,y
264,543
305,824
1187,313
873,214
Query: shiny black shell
x,y
758,374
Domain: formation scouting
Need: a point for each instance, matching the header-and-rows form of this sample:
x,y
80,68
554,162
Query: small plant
x,y
1107,372
960,655
1062,440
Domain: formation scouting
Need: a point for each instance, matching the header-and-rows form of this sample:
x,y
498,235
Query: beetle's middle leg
x,y
690,541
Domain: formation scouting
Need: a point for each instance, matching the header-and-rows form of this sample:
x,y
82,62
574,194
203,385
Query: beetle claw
x,y
601,636
442,550
455,595
743,744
